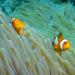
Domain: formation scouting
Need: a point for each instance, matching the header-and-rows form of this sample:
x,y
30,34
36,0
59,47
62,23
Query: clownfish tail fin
x,y
54,40
52,43
54,35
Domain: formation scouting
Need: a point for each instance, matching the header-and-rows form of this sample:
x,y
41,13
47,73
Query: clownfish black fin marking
x,y
52,43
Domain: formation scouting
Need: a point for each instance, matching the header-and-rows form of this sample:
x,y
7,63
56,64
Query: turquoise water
x,y
33,54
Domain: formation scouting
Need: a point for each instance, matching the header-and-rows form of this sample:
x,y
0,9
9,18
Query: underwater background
x,y
33,54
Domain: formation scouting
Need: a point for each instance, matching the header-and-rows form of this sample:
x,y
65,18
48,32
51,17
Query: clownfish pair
x,y
60,44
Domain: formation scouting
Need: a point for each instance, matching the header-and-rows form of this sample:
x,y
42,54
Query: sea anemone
x,y
33,54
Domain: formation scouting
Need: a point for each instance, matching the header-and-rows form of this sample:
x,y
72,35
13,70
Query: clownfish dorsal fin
x,y
60,37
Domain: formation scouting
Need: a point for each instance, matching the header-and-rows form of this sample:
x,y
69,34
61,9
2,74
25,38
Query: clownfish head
x,y
18,25
64,44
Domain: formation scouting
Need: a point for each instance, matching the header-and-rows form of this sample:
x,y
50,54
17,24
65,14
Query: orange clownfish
x,y
18,26
60,44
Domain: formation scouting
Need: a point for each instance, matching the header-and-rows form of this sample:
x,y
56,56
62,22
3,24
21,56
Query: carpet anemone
x,y
33,54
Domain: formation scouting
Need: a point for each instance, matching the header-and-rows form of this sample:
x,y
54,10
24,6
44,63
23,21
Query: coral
x,y
33,54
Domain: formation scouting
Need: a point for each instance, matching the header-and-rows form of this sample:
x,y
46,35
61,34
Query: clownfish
x,y
60,44
18,25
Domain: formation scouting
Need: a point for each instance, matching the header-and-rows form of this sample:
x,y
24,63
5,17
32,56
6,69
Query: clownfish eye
x,y
65,42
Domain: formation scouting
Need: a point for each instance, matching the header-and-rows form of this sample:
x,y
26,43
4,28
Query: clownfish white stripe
x,y
62,43
12,19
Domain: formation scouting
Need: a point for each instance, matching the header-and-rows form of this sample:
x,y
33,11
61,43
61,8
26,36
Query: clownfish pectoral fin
x,y
60,37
